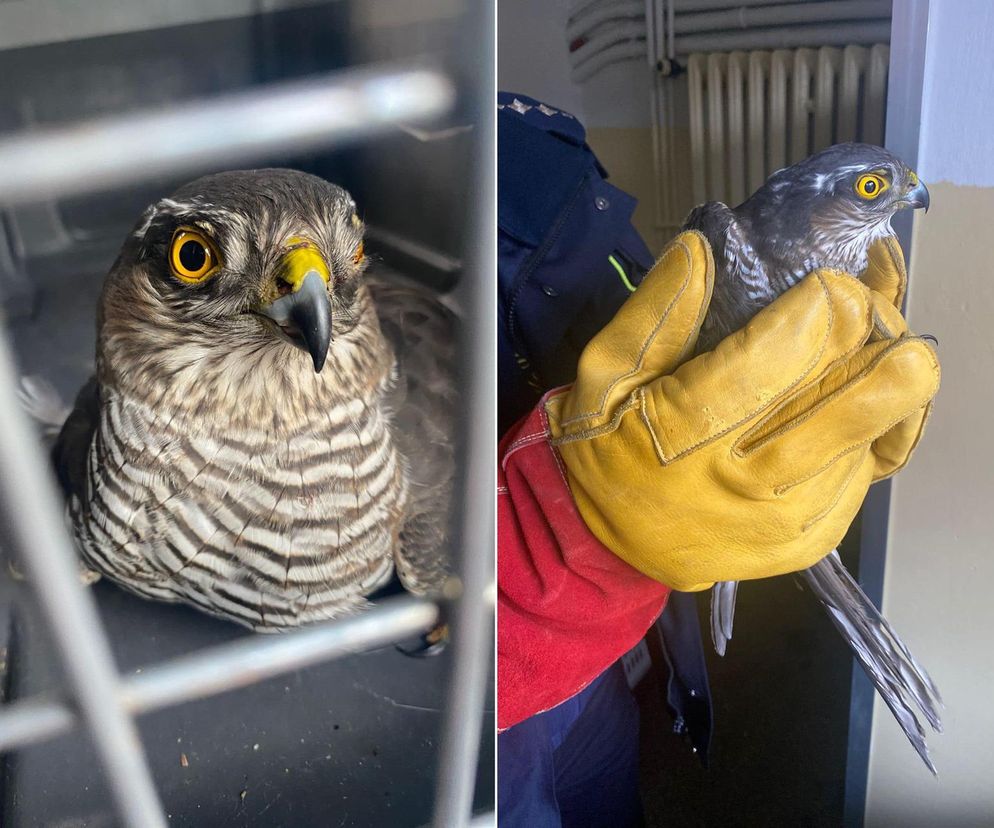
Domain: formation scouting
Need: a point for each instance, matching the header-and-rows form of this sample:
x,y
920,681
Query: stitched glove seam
x,y
898,262
835,500
597,431
776,399
852,447
647,344
852,383
914,445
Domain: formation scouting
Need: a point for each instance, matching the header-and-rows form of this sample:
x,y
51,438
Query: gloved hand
x,y
750,460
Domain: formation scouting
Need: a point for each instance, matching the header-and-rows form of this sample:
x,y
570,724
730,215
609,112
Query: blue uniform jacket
x,y
568,257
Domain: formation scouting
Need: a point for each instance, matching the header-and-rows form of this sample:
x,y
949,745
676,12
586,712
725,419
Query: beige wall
x,y
626,153
939,572
939,581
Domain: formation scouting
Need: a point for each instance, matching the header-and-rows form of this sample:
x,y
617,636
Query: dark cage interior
x,y
350,741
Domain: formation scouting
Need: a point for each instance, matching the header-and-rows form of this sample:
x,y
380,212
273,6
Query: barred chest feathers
x,y
277,521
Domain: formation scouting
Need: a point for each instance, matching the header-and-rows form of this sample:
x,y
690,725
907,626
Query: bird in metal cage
x,y
824,212
268,434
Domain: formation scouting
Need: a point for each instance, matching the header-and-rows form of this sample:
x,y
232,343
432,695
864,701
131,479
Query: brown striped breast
x,y
267,530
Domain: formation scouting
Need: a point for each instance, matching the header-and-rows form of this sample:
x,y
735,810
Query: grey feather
x,y
423,399
805,217
723,613
72,446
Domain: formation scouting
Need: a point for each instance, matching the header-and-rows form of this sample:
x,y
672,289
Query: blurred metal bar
x,y
32,510
249,660
324,112
409,247
228,667
33,720
472,620
484,820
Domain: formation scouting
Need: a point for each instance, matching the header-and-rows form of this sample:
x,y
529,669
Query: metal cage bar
x,y
322,112
30,506
325,112
472,636
227,667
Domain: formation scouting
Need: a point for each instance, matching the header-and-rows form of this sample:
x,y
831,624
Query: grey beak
x,y
918,197
305,317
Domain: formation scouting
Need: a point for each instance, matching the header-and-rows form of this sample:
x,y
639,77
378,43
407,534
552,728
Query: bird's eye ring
x,y
870,186
193,256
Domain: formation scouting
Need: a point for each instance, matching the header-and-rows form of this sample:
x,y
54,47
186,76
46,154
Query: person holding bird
x,y
724,425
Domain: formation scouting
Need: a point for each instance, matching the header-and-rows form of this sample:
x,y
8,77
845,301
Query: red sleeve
x,y
567,607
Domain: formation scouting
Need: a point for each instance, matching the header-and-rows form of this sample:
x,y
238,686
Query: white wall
x,y
533,58
939,579
532,53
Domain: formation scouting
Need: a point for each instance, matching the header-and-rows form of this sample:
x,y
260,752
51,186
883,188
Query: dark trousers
x,y
575,766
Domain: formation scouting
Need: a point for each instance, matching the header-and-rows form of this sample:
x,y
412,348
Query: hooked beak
x,y
303,313
918,196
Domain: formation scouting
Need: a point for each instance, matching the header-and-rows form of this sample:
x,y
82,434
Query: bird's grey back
x,y
423,402
742,283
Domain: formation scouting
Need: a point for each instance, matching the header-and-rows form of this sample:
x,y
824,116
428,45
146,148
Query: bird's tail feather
x,y
900,680
723,613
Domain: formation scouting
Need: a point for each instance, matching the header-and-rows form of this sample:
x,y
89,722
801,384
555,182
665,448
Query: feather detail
x,y
423,401
901,681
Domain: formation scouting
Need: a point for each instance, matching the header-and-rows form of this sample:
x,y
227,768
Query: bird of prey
x,y
268,435
823,212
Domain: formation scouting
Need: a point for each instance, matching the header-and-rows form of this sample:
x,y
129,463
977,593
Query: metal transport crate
x,y
118,711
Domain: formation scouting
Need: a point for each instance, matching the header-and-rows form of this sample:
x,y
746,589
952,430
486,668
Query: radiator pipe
x,y
786,37
623,33
608,49
685,6
583,24
618,28
785,15
618,53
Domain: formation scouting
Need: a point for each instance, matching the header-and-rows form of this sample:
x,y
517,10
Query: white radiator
x,y
752,113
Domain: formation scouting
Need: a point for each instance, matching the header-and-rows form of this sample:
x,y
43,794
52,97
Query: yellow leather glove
x,y
753,459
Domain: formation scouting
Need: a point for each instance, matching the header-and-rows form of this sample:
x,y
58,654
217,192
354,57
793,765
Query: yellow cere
x,y
913,178
302,257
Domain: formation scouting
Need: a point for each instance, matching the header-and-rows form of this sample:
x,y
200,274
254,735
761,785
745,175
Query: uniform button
x,y
601,203
548,291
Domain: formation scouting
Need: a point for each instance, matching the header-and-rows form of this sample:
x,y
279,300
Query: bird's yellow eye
x,y
870,186
192,255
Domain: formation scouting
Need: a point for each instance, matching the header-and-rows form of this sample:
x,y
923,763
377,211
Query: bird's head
x,y
838,202
252,266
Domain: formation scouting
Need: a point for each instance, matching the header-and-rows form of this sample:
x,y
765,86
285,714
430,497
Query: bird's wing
x,y
422,332
72,447
741,286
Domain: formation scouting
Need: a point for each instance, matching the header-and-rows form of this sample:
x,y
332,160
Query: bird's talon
x,y
431,643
